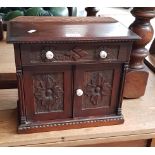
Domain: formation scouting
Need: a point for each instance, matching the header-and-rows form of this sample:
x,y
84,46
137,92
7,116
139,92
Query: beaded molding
x,y
70,123
76,41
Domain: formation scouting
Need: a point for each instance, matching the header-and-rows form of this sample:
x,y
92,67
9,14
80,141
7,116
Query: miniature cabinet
x,y
70,71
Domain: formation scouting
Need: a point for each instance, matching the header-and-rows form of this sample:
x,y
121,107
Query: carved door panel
x,y
100,87
48,92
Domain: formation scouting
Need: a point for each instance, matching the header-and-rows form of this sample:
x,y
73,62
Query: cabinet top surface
x,y
48,29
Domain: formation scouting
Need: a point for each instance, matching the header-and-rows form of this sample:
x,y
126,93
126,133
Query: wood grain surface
x,y
6,57
139,118
70,29
139,123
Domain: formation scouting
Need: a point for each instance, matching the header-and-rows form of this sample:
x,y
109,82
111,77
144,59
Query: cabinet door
x,y
99,84
47,92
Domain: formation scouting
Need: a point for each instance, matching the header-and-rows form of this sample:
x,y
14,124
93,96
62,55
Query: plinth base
x,y
32,127
135,83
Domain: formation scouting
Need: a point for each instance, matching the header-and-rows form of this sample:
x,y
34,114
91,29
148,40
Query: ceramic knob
x,y
49,55
79,92
31,31
103,54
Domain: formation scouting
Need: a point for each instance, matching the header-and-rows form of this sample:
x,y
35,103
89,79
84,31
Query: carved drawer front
x,y
100,89
71,52
47,93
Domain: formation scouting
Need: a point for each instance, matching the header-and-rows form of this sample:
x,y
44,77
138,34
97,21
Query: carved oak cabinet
x,y
70,71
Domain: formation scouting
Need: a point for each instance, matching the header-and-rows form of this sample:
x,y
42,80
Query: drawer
x,y
73,52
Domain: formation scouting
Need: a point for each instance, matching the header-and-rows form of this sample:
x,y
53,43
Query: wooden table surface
x,y
6,57
139,117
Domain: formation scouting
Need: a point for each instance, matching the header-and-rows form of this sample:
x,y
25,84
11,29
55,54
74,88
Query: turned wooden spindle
x,y
91,11
137,76
1,29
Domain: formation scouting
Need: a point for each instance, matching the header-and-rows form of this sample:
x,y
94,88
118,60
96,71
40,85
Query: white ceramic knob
x,y
79,92
49,55
31,31
103,54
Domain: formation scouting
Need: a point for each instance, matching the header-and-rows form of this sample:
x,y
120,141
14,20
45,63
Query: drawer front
x,y
100,87
47,93
81,52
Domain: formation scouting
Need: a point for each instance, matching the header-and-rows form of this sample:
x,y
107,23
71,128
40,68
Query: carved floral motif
x,y
97,88
48,92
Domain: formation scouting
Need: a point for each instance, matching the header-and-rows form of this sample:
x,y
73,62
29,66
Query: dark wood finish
x,y
100,83
136,78
33,54
8,80
47,88
91,11
5,25
83,29
135,82
1,29
144,29
49,95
